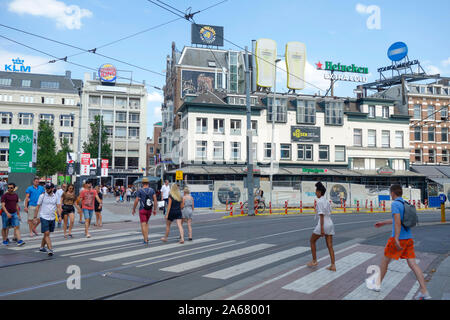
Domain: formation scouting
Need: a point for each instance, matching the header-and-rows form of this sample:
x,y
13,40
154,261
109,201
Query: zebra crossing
x,y
232,260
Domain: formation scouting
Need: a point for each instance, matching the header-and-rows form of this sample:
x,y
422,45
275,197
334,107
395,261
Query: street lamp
x,y
79,142
272,158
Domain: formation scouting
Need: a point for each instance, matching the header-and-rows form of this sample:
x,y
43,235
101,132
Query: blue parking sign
x,y
443,198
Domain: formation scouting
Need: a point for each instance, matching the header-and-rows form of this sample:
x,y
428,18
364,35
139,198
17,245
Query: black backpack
x,y
148,202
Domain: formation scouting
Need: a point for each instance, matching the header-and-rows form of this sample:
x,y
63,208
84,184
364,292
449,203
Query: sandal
x,y
164,239
181,242
312,264
71,236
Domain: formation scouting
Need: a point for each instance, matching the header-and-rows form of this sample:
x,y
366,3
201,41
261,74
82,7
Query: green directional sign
x,y
21,149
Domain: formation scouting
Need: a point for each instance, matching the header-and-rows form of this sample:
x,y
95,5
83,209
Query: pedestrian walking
x,y
32,196
117,193
87,198
3,186
48,203
146,197
128,194
98,208
187,211
59,193
165,191
324,228
399,246
174,212
68,201
11,215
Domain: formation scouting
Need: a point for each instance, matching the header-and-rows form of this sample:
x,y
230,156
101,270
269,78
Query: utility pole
x,y
99,158
79,142
250,183
272,147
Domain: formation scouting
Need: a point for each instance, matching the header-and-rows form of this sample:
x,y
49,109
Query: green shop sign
x,y
330,66
308,170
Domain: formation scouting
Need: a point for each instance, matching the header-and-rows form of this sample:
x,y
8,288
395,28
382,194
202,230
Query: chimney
x,y
68,74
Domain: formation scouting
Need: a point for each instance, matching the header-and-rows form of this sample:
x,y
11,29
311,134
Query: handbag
x,y
161,204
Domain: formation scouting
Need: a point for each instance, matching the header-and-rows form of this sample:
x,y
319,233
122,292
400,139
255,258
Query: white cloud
x,y
155,97
38,64
361,9
430,69
66,16
446,63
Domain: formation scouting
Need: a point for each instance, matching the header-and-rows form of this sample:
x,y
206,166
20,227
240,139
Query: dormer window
x,y
371,111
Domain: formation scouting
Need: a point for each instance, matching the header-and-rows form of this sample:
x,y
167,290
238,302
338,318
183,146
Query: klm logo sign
x,y
17,66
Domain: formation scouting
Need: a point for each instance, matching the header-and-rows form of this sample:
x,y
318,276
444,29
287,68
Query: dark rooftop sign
x,y
207,35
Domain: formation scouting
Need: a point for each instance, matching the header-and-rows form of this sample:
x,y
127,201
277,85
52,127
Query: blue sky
x,y
332,30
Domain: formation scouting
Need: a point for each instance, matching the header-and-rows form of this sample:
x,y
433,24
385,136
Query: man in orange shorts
x,y
399,246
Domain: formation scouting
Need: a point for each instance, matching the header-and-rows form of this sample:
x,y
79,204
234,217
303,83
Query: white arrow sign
x,y
21,152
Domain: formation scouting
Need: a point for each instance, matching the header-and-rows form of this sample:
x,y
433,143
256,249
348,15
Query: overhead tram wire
x,y
238,46
70,62
85,50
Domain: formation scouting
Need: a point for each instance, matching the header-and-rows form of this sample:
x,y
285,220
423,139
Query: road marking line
x,y
315,280
127,254
256,263
54,234
216,258
256,287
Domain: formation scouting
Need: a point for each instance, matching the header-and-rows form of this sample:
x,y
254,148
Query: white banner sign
x,y
104,168
295,65
344,77
85,161
266,54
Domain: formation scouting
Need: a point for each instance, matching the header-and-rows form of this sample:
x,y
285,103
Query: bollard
x,y
442,212
341,203
418,204
231,210
256,207
414,203
384,205
426,203
357,206
301,206
366,202
344,206
285,207
371,206
270,207
242,209
227,205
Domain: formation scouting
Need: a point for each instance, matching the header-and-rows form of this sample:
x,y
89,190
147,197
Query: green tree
x,y
46,151
61,156
91,146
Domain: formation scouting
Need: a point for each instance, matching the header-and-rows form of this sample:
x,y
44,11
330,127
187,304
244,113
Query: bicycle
x,y
261,206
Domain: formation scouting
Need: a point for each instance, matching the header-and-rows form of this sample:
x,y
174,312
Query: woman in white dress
x,y
324,228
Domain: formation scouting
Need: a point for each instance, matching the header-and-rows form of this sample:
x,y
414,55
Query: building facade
x,y
153,148
27,98
123,108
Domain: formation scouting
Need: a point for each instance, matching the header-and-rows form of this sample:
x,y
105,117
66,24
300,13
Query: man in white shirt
x,y
165,190
47,204
105,191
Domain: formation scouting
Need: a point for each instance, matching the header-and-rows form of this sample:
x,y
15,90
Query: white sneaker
x,y
421,296
371,284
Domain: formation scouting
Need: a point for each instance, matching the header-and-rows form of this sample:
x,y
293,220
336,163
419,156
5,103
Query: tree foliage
x,y
91,146
46,151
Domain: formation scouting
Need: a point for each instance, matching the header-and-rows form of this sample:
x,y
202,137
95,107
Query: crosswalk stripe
x,y
256,263
315,280
76,240
127,254
103,243
396,272
413,290
216,258
181,254
61,234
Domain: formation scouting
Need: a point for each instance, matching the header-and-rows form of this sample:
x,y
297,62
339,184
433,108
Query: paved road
x,y
256,258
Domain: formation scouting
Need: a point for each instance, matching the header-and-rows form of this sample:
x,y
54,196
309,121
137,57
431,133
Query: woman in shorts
x,y
97,209
68,201
188,208
174,212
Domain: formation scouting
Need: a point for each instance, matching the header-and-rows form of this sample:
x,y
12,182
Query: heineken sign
x,y
308,170
330,66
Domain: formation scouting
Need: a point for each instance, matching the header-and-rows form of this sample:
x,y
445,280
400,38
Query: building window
x,y
47,117
4,139
133,117
334,113
445,156
339,153
133,133
324,153
108,101
399,139
6,117
26,83
235,150
66,120
49,85
66,135
357,137
444,134
25,119
133,162
108,116
121,102
418,155
109,131
49,100
285,152
4,155
417,111
306,111
202,125
254,127
305,152
430,114
201,150
267,151
254,151
431,131
418,134
385,139
121,132
280,109
431,156
380,163
444,113
359,164
235,127
119,162
5,82
5,98
121,117
372,138
218,150
219,126
135,103
94,100
371,111
385,112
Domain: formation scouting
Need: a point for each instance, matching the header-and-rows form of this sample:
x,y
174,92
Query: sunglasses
x,y
10,188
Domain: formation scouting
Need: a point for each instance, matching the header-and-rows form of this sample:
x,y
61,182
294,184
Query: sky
x,y
345,31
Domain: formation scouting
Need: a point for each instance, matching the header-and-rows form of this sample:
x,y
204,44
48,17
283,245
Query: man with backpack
x,y
146,197
401,244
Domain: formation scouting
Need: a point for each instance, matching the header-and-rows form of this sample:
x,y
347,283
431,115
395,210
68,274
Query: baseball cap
x,y
49,186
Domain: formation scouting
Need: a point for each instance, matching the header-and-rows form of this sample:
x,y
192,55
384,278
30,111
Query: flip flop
x,y
164,239
181,242
312,264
